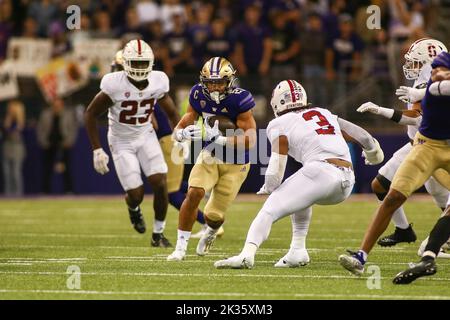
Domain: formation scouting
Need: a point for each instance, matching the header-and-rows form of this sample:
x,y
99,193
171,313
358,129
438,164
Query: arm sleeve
x,y
357,133
409,121
440,88
106,85
247,102
275,171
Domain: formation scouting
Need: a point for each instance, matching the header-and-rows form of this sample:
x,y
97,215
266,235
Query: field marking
x,y
227,294
238,275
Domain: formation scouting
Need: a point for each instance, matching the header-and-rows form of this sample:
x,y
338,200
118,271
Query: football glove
x,y
191,132
101,160
374,156
213,133
263,190
410,95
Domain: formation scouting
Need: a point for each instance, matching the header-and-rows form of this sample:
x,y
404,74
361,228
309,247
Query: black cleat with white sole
x,y
137,220
160,241
399,236
421,269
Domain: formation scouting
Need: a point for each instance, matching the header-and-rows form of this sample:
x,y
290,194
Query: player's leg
x,y
203,177
129,174
418,166
326,185
297,255
153,165
231,177
427,266
380,186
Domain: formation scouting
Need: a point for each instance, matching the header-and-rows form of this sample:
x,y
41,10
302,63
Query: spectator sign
x,y
60,77
95,56
28,55
8,81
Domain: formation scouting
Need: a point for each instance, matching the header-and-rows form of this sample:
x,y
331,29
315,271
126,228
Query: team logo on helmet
x,y
217,70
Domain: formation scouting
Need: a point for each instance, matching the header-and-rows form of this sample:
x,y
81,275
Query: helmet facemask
x,y
138,69
412,68
217,78
216,95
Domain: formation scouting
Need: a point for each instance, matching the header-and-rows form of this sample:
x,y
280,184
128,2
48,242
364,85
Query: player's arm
x,y
277,165
371,148
403,117
97,107
441,82
246,122
169,107
186,128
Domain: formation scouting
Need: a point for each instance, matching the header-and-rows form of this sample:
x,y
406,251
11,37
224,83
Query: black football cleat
x,y
137,220
421,269
160,241
399,235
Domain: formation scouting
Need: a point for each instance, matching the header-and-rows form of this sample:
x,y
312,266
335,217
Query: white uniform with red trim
x,y
132,139
313,136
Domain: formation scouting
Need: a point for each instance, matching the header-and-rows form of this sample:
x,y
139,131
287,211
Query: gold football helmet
x,y
217,78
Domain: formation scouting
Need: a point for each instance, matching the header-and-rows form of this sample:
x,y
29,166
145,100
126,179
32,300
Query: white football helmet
x,y
137,59
287,95
421,52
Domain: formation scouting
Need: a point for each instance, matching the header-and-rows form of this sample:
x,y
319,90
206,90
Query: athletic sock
x,y
158,226
400,219
183,239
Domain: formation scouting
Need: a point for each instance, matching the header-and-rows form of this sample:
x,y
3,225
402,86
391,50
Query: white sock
x,y
135,209
364,255
400,219
183,239
158,226
300,225
249,250
260,228
210,231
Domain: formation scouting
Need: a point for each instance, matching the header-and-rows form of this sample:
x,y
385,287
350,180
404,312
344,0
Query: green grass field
x,y
40,239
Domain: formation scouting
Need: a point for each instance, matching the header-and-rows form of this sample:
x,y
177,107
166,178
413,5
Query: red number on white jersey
x,y
325,126
128,116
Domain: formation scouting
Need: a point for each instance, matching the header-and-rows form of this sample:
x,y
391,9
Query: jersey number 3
x,y
128,116
325,126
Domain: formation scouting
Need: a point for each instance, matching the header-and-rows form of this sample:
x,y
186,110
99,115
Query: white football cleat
x,y
177,255
205,243
352,264
293,259
441,254
236,262
200,233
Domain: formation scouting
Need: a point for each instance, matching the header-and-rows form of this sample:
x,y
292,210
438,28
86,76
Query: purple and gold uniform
x,y
431,149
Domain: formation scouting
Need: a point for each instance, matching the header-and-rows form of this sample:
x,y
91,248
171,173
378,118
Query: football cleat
x,y
177,255
137,220
200,233
441,254
421,269
293,259
205,243
159,240
236,262
399,235
352,262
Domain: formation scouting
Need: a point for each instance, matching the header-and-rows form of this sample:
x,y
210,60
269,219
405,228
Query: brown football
x,y
224,123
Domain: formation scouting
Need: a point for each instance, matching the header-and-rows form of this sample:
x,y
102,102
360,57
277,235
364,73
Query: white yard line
x,y
227,294
219,275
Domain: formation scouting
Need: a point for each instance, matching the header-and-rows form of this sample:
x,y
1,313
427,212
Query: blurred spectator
x,y
343,54
170,8
156,41
147,11
6,26
286,47
288,9
254,45
29,28
57,131
43,12
59,39
132,23
219,43
199,33
406,16
103,27
179,45
82,34
223,11
331,19
313,42
13,148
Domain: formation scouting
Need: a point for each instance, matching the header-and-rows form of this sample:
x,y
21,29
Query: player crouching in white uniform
x,y
312,136
129,97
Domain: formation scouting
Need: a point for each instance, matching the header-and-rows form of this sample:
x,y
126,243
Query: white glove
x,y
369,107
101,160
374,156
263,190
191,132
213,133
410,95
184,147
